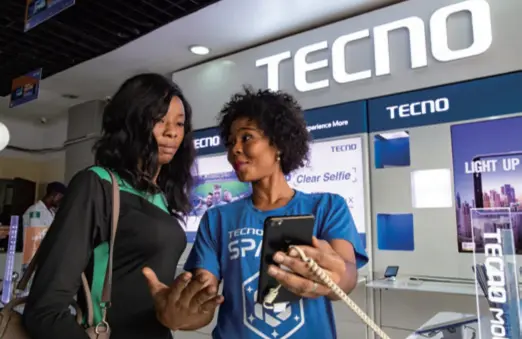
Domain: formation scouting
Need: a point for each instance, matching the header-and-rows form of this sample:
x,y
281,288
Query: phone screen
x,y
391,271
497,182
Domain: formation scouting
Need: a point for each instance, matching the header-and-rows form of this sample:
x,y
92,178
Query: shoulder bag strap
x,y
107,284
22,283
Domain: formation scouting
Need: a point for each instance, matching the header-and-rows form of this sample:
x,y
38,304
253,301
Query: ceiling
x,y
80,33
68,46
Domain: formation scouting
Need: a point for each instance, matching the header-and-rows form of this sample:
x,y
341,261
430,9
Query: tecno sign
x,y
419,108
205,142
479,11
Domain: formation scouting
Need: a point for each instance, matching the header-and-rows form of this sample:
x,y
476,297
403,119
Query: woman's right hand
x,y
187,303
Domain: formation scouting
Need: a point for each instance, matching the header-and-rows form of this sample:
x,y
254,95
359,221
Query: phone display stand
x,y
453,333
462,328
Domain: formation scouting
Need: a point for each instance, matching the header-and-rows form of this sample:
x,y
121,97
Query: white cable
x,y
325,278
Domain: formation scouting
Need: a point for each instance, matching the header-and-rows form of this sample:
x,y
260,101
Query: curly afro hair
x,y
278,115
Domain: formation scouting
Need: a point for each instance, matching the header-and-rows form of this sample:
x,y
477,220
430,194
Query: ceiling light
x,y
199,50
4,136
394,135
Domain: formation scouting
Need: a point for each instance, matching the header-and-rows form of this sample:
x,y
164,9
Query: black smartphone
x,y
391,271
279,233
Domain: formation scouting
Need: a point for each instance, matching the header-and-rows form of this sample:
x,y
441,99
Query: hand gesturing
x,y
185,300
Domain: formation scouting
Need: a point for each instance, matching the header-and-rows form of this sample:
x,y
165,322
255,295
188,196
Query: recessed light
x,y
4,136
199,50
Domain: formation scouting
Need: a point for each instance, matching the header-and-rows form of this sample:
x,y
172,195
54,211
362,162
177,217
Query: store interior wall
x,y
39,167
399,312
217,80
84,125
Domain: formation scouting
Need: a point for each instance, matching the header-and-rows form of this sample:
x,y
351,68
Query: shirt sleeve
x,y
339,224
205,251
81,222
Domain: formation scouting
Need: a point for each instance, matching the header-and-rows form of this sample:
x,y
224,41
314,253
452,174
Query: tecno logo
x,y
479,11
207,142
419,108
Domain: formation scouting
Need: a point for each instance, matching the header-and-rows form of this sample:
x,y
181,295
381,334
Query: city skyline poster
x,y
487,172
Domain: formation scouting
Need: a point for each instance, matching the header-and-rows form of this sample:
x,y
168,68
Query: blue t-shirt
x,y
228,244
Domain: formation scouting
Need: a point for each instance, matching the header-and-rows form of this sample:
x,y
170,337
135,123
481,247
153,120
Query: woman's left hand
x,y
301,281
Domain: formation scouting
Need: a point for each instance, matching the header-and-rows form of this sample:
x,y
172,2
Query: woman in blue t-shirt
x,y
266,138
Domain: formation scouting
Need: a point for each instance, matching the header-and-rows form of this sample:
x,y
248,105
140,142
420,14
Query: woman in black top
x,y
147,142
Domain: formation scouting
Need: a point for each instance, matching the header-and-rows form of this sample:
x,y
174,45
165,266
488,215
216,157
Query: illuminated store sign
x,y
419,108
205,142
438,43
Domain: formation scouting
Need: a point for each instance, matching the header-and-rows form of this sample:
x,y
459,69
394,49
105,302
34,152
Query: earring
x,y
278,156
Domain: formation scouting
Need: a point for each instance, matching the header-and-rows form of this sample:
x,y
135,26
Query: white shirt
x,y
46,215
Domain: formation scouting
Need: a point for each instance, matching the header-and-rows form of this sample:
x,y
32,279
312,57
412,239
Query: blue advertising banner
x,y
337,120
493,96
25,88
38,11
324,122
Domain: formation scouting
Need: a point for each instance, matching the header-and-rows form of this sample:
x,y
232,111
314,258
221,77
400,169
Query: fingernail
x,y
278,257
293,253
272,270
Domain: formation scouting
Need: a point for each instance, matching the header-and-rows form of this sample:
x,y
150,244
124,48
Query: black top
x,y
148,235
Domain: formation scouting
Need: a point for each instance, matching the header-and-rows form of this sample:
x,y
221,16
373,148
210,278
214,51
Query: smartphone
x,y
391,271
279,233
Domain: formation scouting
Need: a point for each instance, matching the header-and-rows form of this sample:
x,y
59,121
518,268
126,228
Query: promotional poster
x,y
38,11
336,166
215,190
487,171
216,185
7,284
25,88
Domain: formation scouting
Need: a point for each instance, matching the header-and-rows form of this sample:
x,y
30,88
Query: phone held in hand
x,y
279,233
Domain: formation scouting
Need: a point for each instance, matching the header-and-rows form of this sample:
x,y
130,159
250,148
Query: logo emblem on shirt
x,y
266,323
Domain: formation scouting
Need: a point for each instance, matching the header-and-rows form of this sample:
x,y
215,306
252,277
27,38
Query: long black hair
x,y
128,147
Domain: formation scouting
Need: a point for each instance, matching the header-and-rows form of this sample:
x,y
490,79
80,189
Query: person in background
x,y
228,197
147,142
48,206
266,138
217,195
